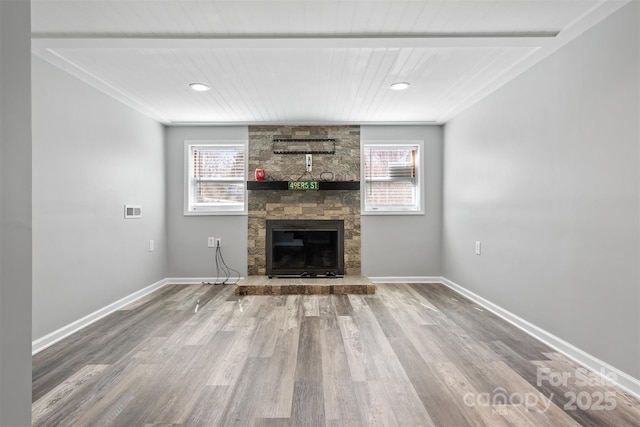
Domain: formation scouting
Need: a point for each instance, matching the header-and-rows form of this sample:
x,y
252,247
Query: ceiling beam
x,y
308,41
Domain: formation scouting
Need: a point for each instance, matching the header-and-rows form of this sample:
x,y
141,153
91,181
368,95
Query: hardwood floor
x,y
410,355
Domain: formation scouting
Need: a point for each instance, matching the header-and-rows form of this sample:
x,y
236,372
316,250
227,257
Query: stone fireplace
x,y
342,205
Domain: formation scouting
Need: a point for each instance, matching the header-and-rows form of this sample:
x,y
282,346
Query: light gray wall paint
x,y
189,255
407,245
392,245
545,173
15,213
91,156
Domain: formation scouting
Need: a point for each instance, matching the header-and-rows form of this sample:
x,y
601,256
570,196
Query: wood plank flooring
x,y
410,355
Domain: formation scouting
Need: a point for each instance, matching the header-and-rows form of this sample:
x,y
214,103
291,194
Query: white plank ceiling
x,y
304,62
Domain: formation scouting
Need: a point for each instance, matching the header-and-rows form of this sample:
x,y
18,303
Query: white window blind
x,y
391,178
217,178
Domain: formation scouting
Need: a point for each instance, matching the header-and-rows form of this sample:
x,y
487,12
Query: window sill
x,y
216,213
391,213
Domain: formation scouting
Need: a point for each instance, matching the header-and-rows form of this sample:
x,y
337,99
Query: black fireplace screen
x,y
305,248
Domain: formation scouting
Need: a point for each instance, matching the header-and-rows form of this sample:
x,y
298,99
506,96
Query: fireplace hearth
x,y
305,248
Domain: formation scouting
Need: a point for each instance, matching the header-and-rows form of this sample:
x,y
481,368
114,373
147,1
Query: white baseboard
x,y
55,336
623,380
197,280
406,279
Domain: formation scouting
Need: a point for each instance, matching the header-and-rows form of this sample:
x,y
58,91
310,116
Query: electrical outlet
x,y
309,162
478,247
211,242
151,245
218,242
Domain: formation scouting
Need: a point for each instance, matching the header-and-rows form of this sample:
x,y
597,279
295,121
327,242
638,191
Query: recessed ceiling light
x,y
400,86
200,87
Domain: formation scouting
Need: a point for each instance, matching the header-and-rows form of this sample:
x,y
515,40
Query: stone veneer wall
x,y
291,204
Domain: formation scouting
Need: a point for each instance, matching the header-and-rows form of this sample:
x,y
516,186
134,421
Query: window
x,y
391,178
216,177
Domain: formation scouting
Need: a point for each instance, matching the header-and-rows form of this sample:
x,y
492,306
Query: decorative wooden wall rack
x,y
304,146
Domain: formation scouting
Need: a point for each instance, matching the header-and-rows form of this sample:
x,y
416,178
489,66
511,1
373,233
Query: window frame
x,y
188,172
418,207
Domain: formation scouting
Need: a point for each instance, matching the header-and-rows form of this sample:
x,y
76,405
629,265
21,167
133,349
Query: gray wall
x,y
407,245
91,156
15,213
391,245
189,255
544,173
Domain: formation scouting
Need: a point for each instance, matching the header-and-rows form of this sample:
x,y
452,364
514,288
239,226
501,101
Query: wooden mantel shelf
x,y
284,185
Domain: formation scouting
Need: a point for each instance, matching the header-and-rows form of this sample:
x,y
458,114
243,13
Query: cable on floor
x,y
223,271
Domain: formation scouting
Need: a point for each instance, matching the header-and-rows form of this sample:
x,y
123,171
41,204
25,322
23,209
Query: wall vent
x,y
132,211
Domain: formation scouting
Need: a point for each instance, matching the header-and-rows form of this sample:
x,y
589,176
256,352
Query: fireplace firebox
x,y
305,248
